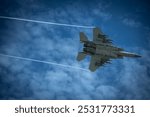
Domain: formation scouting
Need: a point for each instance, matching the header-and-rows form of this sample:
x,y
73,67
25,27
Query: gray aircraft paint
x,y
100,49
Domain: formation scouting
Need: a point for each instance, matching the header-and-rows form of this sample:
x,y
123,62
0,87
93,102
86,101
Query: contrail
x,y
44,22
40,61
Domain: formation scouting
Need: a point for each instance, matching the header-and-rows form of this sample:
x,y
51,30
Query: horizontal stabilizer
x,y
83,37
81,56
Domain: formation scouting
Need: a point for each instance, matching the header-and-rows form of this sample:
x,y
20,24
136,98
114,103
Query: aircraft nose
x,y
137,56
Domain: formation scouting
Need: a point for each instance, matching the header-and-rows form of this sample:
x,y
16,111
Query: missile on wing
x,y
100,49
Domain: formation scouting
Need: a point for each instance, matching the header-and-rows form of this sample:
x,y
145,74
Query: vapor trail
x,y
44,22
40,61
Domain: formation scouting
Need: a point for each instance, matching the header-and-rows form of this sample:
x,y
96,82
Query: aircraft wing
x,y
97,61
99,36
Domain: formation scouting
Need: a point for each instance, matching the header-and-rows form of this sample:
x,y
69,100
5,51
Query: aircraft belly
x,y
103,52
106,53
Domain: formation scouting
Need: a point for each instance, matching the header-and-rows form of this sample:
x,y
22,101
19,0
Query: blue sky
x,y
125,22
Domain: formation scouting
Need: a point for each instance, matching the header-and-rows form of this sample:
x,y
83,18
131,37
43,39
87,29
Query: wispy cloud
x,y
131,22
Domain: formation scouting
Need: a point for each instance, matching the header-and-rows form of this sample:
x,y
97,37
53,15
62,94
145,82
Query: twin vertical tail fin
x,y
83,37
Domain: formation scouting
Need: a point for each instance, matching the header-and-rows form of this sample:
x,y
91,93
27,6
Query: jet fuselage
x,y
91,48
100,49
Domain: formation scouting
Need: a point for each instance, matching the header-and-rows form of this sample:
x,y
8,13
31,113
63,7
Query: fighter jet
x,y
100,49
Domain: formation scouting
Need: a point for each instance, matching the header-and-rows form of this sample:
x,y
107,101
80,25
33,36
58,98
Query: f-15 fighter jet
x,y
100,49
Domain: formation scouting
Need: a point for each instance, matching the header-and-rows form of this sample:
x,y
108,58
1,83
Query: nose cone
x,y
137,55
128,54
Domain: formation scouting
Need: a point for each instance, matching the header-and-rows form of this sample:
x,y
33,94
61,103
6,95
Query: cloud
x,y
131,22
